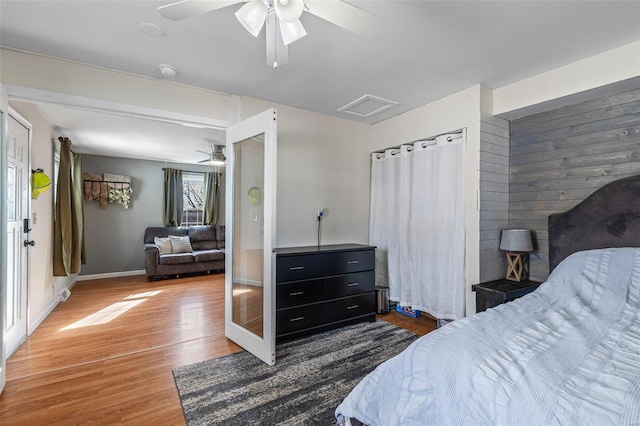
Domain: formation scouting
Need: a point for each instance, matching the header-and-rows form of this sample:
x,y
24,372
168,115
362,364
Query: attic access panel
x,y
367,106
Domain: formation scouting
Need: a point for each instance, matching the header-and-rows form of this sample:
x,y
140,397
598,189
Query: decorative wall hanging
x,y
109,188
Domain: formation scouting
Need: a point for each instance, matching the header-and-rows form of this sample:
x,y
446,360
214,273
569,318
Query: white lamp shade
x,y
288,10
291,31
518,240
252,16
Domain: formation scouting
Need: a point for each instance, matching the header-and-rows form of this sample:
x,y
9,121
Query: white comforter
x,y
566,354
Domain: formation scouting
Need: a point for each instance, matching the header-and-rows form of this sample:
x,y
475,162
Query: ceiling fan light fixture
x,y
217,156
291,31
288,10
252,16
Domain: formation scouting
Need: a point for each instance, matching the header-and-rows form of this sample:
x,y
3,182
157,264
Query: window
x,y
192,196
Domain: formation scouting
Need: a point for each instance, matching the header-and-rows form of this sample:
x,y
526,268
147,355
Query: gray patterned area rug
x,y
311,377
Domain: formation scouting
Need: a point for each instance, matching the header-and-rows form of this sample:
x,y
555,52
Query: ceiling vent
x,y
367,106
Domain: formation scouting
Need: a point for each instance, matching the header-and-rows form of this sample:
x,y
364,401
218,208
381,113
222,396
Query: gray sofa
x,y
208,251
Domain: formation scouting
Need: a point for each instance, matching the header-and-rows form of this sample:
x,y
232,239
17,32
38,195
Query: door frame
x,y
262,123
4,110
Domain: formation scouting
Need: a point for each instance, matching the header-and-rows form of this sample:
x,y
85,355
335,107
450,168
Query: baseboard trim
x,y
110,275
73,283
33,326
44,316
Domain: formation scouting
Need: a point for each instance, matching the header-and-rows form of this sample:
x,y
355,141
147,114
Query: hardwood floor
x,y
105,356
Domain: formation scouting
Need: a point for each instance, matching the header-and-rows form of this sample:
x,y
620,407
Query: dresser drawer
x,y
349,284
350,307
293,319
348,261
299,292
294,268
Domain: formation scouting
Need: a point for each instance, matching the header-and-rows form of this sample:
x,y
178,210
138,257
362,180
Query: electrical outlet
x,y
320,212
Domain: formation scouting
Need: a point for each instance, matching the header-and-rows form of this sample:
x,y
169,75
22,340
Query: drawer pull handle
x,y
353,307
351,262
296,319
296,268
352,284
297,293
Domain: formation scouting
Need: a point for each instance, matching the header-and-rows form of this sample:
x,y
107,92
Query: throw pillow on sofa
x,y
180,244
164,245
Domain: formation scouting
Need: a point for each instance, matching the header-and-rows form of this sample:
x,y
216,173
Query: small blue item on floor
x,y
408,311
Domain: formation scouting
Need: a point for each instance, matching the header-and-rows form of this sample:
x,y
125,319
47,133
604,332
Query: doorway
x,y
33,311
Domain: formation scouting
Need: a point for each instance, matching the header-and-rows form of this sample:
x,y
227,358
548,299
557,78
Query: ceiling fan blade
x,y
204,161
344,15
187,8
208,153
277,52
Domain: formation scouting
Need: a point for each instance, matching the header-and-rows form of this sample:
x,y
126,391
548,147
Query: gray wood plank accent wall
x,y
494,195
559,157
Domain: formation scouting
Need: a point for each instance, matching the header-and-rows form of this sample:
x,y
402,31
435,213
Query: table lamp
x,y
517,242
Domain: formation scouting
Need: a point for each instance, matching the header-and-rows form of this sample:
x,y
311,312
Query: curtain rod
x,y
188,171
455,135
60,138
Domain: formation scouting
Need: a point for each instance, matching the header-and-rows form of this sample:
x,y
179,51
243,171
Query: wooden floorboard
x,y
106,355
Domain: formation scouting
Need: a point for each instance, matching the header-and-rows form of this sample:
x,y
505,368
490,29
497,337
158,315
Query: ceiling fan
x,y
216,156
282,18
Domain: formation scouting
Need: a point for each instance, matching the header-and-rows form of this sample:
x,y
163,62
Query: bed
x,y
567,353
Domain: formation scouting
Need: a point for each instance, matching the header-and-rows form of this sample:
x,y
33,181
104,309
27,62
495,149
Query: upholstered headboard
x,y
610,217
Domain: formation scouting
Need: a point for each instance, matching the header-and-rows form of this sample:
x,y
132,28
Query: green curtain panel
x,y
172,213
68,253
78,204
211,198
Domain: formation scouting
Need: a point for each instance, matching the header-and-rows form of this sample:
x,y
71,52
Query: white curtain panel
x,y
398,227
378,217
417,223
392,182
437,223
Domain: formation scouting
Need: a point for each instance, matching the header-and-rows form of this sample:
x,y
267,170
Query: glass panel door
x,y
248,237
250,228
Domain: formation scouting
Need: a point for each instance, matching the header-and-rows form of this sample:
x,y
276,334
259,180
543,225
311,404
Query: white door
x,y
250,235
17,187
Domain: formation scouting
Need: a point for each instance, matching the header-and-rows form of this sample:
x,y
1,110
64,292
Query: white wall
x,y
77,79
609,67
44,287
458,111
323,161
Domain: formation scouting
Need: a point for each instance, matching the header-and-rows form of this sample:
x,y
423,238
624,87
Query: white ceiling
x,y
424,50
118,136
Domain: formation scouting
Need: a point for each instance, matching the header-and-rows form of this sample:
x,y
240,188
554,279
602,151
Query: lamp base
x,y
518,269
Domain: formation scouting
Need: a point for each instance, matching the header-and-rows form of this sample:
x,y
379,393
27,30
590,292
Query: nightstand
x,y
494,293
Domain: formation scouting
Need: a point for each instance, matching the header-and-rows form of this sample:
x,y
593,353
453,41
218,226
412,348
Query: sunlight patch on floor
x,y
105,315
112,312
143,295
